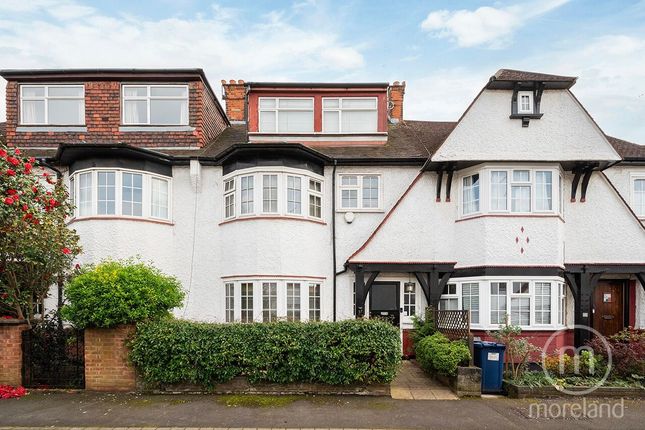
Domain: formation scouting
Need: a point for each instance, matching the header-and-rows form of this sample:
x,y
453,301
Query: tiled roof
x,y
627,150
520,75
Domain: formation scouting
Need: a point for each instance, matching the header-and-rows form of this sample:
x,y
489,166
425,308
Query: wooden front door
x,y
608,302
384,301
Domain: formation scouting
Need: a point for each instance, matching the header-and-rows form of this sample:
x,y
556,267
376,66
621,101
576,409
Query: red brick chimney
x,y
395,93
235,96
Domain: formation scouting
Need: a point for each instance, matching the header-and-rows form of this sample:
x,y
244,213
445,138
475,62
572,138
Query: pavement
x,y
81,409
412,383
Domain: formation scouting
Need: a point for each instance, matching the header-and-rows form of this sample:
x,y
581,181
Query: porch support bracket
x,y
439,181
362,289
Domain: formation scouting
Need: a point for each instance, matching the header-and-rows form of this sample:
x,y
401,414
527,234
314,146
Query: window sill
x,y
119,218
272,217
526,115
510,215
356,211
154,128
50,128
316,133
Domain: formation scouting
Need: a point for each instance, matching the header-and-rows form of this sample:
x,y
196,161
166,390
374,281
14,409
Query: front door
x,y
384,301
608,305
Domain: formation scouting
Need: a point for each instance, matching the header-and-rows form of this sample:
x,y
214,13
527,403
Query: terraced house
x,y
320,201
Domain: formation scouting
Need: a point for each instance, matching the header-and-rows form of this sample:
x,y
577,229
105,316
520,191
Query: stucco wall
x,y
621,177
565,132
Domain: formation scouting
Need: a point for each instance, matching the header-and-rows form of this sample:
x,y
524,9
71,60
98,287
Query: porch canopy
x,y
432,277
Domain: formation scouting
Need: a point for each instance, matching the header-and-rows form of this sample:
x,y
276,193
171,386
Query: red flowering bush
x,y
36,247
627,352
9,392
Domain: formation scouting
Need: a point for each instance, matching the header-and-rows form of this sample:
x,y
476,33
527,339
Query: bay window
x,y
543,190
293,301
470,194
269,301
286,115
470,300
155,105
279,191
499,190
117,192
521,191
360,192
520,304
350,115
52,105
246,295
542,303
498,293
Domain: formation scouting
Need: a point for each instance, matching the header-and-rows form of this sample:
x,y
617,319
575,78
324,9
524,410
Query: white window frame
x,y
314,308
277,110
340,110
149,97
449,295
272,296
229,302
461,296
301,192
632,193
247,205
282,173
536,311
46,97
501,313
317,195
531,108
462,192
528,295
146,198
229,197
263,176
359,196
530,184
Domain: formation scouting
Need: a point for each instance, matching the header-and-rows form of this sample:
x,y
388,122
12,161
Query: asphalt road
x,y
86,409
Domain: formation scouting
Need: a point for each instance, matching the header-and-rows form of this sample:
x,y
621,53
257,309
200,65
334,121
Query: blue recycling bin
x,y
489,356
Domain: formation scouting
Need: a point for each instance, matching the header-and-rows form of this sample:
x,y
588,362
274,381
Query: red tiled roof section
x,y
520,75
627,150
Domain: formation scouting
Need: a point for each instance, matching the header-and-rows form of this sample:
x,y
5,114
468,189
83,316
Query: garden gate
x,y
53,356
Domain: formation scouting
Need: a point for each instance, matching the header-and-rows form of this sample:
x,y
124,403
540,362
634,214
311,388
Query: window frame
x,y
531,109
632,194
535,296
450,296
146,195
46,97
462,193
340,110
148,97
359,192
277,110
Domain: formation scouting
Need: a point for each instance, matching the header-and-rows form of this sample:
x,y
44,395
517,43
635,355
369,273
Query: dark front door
x,y
384,301
608,302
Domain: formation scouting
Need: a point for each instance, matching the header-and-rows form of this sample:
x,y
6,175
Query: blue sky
x,y
444,50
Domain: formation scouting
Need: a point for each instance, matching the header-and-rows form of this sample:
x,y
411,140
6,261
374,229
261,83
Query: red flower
x,y
11,172
32,160
66,251
34,189
8,200
28,168
25,208
3,153
17,151
11,192
36,221
13,160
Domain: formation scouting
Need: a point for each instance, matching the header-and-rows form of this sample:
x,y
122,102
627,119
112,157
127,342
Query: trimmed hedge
x,y
120,292
439,354
337,353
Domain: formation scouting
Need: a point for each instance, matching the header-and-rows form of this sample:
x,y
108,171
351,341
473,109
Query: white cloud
x,y
221,41
486,25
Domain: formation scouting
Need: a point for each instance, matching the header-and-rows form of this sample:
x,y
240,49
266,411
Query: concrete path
x,y
85,409
412,383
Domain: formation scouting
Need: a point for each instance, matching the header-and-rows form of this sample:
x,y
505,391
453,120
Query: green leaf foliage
x,y
337,353
120,292
438,354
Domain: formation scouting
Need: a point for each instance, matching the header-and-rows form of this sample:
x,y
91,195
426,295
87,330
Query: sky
x,y
444,50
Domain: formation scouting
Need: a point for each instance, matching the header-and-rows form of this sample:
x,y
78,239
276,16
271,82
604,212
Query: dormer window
x,y
350,115
52,105
286,115
525,102
155,105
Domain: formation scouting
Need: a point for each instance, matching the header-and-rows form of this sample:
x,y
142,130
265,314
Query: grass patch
x,y
256,401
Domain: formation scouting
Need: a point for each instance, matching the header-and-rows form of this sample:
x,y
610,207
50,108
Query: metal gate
x,y
53,356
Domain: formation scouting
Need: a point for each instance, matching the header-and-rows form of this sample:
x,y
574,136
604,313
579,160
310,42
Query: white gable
x,y
602,230
565,132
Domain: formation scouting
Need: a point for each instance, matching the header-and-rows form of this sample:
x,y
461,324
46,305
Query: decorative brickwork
x,y
103,120
11,350
106,359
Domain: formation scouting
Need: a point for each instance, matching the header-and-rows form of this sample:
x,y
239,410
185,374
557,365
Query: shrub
x,y
518,348
338,353
585,364
120,292
422,328
437,353
627,350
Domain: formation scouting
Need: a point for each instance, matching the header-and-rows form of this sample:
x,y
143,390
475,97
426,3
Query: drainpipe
x,y
333,230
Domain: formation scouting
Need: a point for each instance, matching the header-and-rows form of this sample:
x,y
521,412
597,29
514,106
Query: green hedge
x,y
120,292
437,353
338,353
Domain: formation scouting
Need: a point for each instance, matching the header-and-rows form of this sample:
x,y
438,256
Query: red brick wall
x,y
11,352
103,118
235,96
396,92
539,338
106,360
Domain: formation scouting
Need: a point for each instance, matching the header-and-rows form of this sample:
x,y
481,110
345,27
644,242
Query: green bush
x,y
338,353
438,354
120,292
422,328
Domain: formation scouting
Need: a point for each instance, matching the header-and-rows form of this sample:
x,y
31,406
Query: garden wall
x,y
11,350
107,367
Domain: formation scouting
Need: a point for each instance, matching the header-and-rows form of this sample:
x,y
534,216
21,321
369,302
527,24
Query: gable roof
x,y
521,75
629,151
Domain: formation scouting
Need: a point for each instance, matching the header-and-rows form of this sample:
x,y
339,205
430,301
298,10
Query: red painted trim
x,y
632,303
387,216
522,266
281,218
604,264
629,208
510,216
403,262
119,218
275,277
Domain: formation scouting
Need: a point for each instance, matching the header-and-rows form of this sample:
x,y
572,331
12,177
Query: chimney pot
x,y
235,96
395,93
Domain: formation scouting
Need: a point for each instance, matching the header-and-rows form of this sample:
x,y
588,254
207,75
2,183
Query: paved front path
x,y
411,383
85,409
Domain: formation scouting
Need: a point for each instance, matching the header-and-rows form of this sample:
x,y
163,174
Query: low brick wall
x,y
11,350
106,359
